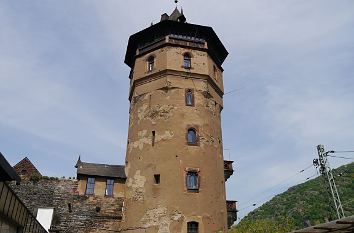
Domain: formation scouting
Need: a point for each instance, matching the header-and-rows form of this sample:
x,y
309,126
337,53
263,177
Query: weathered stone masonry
x,y
72,212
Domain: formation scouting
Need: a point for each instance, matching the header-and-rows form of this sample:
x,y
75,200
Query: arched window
x,y
192,181
189,97
192,227
187,60
151,61
192,136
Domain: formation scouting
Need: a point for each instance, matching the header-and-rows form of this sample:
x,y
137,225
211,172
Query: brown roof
x,y
343,225
104,170
26,164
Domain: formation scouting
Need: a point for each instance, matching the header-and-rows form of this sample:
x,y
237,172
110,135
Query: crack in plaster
x,y
158,217
137,184
155,112
167,135
140,143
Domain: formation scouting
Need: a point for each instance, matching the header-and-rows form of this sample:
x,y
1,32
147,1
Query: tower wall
x,y
158,104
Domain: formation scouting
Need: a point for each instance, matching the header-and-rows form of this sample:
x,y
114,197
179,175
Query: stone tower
x,y
174,161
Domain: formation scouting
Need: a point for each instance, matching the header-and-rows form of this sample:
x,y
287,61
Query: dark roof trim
x,y
7,173
172,27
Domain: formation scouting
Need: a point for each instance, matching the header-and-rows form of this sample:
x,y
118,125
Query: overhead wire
x,y
342,151
255,201
290,177
339,157
232,91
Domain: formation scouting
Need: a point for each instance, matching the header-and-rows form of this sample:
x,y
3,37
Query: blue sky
x,y
64,85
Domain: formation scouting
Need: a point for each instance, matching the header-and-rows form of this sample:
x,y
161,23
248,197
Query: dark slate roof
x,y
7,173
167,27
103,170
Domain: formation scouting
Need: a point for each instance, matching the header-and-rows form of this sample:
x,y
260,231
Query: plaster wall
x,y
100,186
158,104
172,58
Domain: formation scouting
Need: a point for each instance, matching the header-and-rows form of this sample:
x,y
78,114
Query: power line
x,y
311,176
255,201
232,91
342,151
339,157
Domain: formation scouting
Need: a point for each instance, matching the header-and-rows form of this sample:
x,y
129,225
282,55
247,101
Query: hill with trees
x,y
307,204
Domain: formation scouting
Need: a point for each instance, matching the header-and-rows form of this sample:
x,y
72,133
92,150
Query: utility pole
x,y
326,173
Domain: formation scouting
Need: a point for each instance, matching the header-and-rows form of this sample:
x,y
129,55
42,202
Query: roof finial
x,y
78,162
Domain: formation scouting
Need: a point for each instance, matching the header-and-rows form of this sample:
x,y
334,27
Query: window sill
x,y
193,190
192,144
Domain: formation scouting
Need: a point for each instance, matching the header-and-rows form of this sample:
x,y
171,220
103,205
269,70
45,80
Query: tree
x,y
285,224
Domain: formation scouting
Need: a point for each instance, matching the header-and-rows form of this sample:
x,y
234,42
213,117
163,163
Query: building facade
x,y
174,159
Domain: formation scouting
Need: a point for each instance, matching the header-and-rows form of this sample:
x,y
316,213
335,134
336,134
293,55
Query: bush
x,y
35,177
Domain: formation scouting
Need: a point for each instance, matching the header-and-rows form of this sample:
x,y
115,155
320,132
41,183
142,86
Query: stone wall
x,y
72,212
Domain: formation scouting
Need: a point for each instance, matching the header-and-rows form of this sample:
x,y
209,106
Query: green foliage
x,y
281,225
308,203
35,177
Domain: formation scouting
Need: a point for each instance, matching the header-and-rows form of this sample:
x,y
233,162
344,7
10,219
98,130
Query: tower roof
x,y
168,27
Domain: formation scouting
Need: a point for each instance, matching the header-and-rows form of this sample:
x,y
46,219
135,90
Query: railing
x,y
228,169
172,39
13,209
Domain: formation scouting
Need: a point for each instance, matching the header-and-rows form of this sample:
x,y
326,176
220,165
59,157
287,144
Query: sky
x,y
290,70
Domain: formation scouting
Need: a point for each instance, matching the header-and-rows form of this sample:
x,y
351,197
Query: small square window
x,y
157,178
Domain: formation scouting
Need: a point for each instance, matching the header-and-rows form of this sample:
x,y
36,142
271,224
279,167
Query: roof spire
x,y
78,162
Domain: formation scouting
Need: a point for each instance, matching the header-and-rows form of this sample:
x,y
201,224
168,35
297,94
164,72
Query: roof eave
x,y
206,30
9,174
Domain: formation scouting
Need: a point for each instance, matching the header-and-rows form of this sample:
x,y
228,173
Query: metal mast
x,y
326,173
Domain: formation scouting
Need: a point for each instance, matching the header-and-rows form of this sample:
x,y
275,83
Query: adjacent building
x,y
15,217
